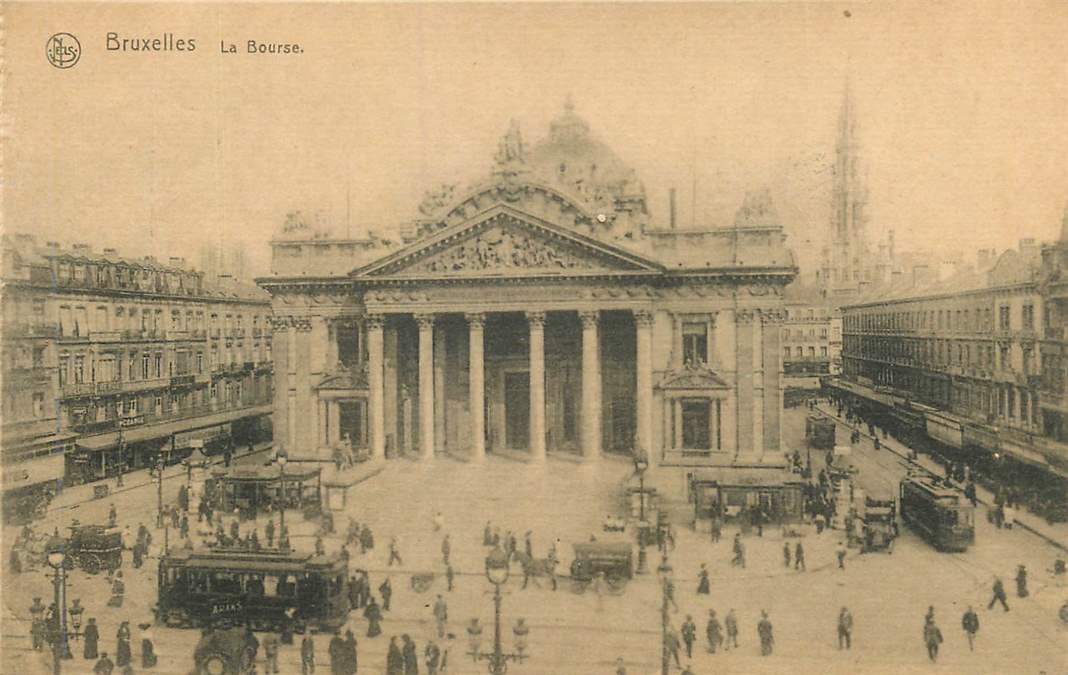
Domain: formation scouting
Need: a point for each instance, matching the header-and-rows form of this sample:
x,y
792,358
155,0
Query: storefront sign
x,y
134,421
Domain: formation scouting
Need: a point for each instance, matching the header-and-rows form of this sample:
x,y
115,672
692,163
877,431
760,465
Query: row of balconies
x,y
115,423
72,390
30,330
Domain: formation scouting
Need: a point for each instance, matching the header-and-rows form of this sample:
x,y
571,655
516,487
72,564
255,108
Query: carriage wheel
x,y
90,563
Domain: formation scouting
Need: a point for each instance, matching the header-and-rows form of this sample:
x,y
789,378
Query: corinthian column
x,y
426,384
643,321
475,325
591,386
536,321
375,364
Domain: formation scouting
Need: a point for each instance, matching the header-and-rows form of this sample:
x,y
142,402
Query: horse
x,y
536,567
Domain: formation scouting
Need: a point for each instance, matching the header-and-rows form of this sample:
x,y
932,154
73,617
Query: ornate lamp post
x,y
497,572
159,490
56,557
640,465
664,572
281,457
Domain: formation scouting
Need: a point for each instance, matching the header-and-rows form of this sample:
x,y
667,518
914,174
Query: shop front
x,y
252,489
734,494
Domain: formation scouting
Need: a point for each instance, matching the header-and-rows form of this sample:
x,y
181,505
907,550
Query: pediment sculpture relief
x,y
499,249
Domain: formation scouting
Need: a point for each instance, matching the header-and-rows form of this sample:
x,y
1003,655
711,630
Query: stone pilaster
x,y
477,392
744,387
376,402
536,322
591,385
643,322
426,384
440,347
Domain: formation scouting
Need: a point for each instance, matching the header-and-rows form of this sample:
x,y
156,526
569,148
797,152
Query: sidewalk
x,y
78,494
1056,534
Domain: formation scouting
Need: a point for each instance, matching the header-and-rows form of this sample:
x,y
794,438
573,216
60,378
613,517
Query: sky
x,y
962,114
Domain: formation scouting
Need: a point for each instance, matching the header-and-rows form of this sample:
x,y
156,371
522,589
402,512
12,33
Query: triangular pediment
x,y
505,242
692,379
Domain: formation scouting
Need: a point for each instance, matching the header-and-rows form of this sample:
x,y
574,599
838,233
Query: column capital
x,y
425,320
536,319
590,317
643,318
772,316
745,316
375,321
302,323
476,319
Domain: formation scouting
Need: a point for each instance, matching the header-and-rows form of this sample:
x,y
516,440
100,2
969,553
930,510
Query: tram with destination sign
x,y
942,515
264,590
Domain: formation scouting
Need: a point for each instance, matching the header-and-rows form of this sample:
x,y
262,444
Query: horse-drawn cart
x,y
95,547
612,560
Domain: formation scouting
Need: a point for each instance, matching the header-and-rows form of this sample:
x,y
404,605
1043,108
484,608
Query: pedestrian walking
x,y
446,548
104,666
449,575
932,637
845,629
999,595
183,526
764,630
351,660
367,539
799,557
270,654
703,584
1021,582
432,658
374,618
621,667
408,654
669,591
394,658
123,654
307,655
671,643
970,623
149,658
786,554
739,551
385,589
91,639
441,615
689,635
113,516
337,654
713,632
394,553
731,624
841,553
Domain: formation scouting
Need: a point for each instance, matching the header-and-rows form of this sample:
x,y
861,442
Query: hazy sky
x,y
963,113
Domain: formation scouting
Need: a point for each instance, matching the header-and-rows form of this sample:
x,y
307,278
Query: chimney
x,y
111,251
52,245
176,261
80,248
671,208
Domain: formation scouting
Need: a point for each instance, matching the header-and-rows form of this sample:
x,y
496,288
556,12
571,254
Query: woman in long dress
x,y
122,650
374,617
703,586
91,638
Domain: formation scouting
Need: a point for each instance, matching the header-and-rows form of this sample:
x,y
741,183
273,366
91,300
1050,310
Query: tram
x,y
264,590
942,515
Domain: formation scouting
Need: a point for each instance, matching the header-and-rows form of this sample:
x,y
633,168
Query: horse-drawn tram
x,y
262,589
942,515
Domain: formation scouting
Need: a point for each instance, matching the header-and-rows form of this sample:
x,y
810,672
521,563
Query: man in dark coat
x,y
307,655
394,658
1021,582
932,637
703,585
999,595
970,623
764,630
138,555
845,629
411,658
386,589
183,526
104,666
374,617
351,660
337,654
786,554
689,635
713,633
91,639
799,557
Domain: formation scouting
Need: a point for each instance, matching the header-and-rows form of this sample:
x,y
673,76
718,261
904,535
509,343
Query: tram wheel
x,y
214,664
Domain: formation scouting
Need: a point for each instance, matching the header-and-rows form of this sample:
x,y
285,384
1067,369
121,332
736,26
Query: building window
x,y
1029,317
133,366
159,365
38,404
79,369
144,366
786,352
695,343
131,406
811,352
696,430
159,405
1004,358
1003,317
823,352
63,365
200,362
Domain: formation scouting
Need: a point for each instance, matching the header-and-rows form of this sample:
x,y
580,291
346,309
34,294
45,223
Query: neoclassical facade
x,y
539,312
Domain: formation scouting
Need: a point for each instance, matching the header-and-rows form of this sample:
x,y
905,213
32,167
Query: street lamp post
x,y
497,572
664,571
56,557
281,458
159,491
640,465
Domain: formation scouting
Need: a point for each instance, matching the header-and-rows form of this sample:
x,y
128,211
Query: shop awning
x,y
165,429
264,474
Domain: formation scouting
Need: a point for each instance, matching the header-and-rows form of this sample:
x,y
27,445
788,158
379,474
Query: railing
x,y
182,380
108,387
77,389
105,336
74,337
138,385
179,335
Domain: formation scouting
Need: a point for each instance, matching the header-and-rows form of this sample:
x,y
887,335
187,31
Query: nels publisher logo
x,y
63,50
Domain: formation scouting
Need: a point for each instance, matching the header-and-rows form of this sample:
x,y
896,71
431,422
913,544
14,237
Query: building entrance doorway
x,y
517,410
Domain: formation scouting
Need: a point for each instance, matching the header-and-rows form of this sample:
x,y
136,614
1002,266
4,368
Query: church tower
x,y
846,258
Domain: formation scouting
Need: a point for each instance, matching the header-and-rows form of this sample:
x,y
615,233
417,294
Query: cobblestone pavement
x,y
574,633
